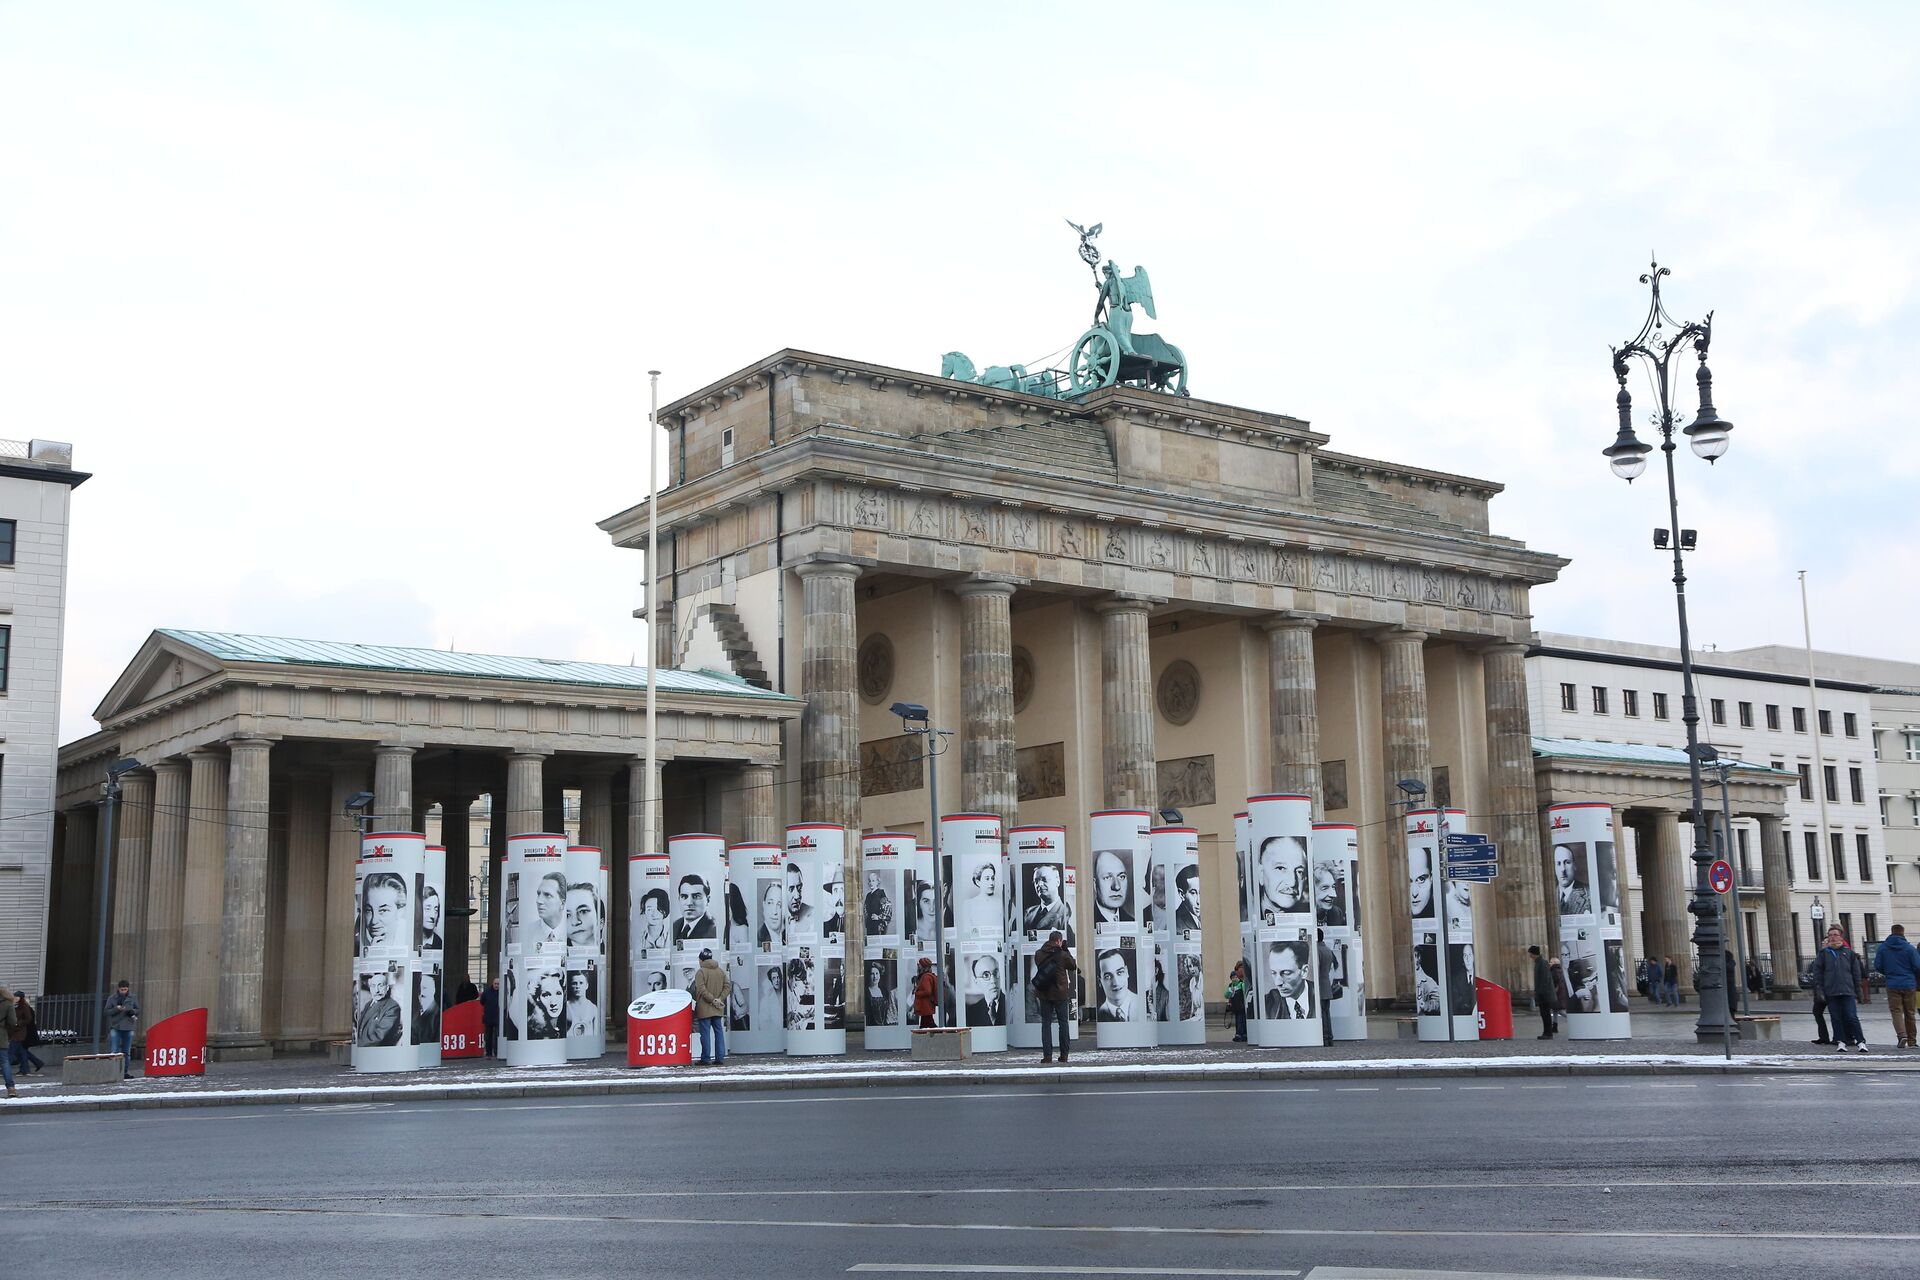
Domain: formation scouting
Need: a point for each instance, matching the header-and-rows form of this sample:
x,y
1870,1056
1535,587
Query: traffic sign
x,y
1479,873
1465,837
1720,876
1458,854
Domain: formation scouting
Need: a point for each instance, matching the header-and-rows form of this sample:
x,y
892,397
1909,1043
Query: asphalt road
x,y
1609,1176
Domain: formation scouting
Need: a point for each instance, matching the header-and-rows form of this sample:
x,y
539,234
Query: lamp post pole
x,y
1659,340
1725,769
111,791
915,718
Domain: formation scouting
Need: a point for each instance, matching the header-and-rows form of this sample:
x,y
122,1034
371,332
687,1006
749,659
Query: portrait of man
x,y
384,916
876,909
1283,877
1606,875
1288,994
1186,916
771,934
1616,975
652,925
426,1006
1570,879
509,1001
1426,978
547,1006
377,1022
1044,898
583,917
799,910
1113,973
835,889
1460,994
1460,907
694,920
1156,893
1330,892
1113,886
986,1003
510,910
653,980
431,911
740,994
833,1003
549,903
1420,883
800,999
583,1003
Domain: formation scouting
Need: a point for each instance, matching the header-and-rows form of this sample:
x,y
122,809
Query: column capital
x,y
394,749
250,742
1293,620
988,586
828,569
1398,635
1126,604
172,764
529,755
1500,648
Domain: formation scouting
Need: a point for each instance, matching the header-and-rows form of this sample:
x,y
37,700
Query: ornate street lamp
x,y
1660,340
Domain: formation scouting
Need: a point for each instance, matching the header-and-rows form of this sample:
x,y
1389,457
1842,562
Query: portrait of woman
x,y
547,1006
652,926
431,911
772,933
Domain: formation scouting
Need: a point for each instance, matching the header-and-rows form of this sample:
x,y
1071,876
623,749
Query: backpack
x,y
1043,978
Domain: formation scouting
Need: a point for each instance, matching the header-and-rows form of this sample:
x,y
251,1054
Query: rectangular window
x,y
1569,698
1876,745
1717,708
1629,702
1873,928
1886,811
1830,775
1913,748
1857,785
6,654
1826,722
1786,841
1850,723
1863,850
8,529
1812,839
1746,715
1799,719
1846,925
1659,706
1740,842
1773,716
1795,915
1838,844
1806,780
1599,699
1913,803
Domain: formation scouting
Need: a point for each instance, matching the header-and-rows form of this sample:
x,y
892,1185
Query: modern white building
x,y
1755,705
37,480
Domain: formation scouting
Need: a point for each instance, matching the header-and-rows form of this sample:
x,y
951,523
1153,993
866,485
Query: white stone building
x,y
37,480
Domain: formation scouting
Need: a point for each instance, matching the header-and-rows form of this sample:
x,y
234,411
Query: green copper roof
x,y
229,647
1633,753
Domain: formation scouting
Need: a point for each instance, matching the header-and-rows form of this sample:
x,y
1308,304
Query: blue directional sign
x,y
1465,837
1461,854
1478,873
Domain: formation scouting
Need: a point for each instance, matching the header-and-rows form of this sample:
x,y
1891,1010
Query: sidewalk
x,y
1662,1042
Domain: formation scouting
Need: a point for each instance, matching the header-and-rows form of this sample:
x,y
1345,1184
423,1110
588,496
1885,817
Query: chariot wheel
x,y
1175,382
1095,362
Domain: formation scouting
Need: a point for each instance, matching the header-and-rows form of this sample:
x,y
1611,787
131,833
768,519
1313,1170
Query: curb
x,y
1220,1073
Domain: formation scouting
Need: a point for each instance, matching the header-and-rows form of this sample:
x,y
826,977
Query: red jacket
x,y
925,989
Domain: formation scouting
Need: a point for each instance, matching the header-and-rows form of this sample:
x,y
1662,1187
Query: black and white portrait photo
x,y
378,1019
1154,914
1461,999
1570,879
652,978
693,919
1286,979
879,905
920,907
979,914
801,920
583,1002
1580,959
1340,978
511,1012
546,1005
1282,865
426,1006
1420,884
833,995
386,921
583,915
432,911
833,890
986,1001
1186,912
882,1004
1426,976
510,911
549,908
1117,984
650,930
1192,980
803,1009
1240,859
1043,901
1606,876
1112,887
769,994
770,913
1616,959
740,994
733,933
1460,907
1330,892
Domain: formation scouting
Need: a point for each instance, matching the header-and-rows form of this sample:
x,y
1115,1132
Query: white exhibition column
x,y
816,947
1586,883
387,881
1041,903
885,859
1286,937
1440,982
533,985
975,863
1179,990
1243,873
585,918
430,964
1119,844
697,864
1336,902
757,1022
649,912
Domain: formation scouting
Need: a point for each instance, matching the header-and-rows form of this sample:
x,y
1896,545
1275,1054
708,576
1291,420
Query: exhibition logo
x,y
1560,822
804,842
379,851
553,849
1421,828
1043,843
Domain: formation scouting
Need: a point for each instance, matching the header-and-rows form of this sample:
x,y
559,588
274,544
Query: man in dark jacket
x,y
1837,975
123,1015
1053,970
1542,993
1899,963
490,1015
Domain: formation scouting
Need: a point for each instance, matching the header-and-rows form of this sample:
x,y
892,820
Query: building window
x,y
1659,706
1717,708
1913,748
1857,784
1795,915
1826,722
1876,744
1740,840
1830,775
1569,698
1599,699
1773,717
1886,817
1846,925
1746,715
1913,803
1629,702
7,530
6,655
1799,719
1837,841
1806,780
1786,843
1873,928
1850,723
1812,842
1863,850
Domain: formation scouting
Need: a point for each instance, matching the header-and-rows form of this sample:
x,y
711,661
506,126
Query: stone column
x,y
166,890
206,879
134,832
343,851
1519,894
1665,895
526,797
243,924
1126,706
596,806
1774,879
456,836
393,788
496,883
830,726
303,967
1407,754
1294,716
988,782
759,804
70,931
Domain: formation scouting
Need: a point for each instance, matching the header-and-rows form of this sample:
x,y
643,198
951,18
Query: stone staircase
x,y
1078,447
732,634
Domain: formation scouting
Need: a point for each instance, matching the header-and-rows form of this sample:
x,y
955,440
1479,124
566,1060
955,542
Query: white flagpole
x,y
649,802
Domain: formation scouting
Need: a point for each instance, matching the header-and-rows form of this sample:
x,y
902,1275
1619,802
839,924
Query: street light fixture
x,y
915,718
1660,340
110,791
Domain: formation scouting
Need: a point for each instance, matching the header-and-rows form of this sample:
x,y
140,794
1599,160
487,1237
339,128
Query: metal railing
x,y
58,1016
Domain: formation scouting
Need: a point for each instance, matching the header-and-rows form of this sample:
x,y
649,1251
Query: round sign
x,y
1720,876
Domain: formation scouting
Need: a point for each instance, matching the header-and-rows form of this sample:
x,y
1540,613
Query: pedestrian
x,y
1899,963
22,1036
466,992
1837,975
7,1020
1669,982
711,987
1755,984
123,1015
926,994
1562,997
490,1015
1542,993
1053,970
1236,997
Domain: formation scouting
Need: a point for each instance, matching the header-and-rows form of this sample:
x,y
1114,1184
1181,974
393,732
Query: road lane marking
x,y
1416,1088
988,1269
1465,1087
1359,1089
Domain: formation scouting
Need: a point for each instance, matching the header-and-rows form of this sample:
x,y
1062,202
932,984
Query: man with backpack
x,y
1899,963
1053,970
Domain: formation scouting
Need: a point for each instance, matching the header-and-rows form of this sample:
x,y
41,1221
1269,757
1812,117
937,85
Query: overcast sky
x,y
348,307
